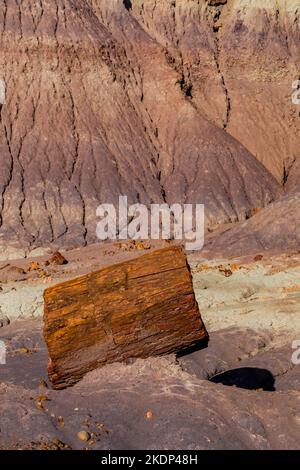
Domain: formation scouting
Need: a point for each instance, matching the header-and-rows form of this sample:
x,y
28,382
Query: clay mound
x,y
275,228
238,61
94,108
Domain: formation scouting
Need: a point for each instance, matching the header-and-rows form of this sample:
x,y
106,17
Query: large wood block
x,y
139,308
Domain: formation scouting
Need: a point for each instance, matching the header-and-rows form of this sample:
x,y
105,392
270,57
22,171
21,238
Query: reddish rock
x,y
57,259
139,308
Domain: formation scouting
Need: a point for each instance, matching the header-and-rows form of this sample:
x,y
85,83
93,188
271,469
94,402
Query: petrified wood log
x,y
139,308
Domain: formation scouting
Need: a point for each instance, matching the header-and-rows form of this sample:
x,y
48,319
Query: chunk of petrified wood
x,y
139,308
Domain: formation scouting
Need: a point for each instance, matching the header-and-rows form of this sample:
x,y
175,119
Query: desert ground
x,y
239,392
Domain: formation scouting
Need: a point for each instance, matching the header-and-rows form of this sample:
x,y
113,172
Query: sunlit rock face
x,y
161,101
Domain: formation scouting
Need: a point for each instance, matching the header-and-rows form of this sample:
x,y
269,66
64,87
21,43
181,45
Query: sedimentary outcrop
x,y
145,99
274,228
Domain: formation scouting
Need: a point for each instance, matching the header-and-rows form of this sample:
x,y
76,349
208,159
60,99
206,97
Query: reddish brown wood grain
x,y
139,308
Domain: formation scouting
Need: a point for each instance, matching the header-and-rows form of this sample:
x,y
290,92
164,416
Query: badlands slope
x,y
174,101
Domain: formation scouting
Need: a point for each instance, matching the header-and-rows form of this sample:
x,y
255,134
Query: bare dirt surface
x,y
241,392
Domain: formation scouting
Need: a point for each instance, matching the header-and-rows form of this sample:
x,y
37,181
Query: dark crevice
x,y
186,87
127,4
249,378
286,172
213,15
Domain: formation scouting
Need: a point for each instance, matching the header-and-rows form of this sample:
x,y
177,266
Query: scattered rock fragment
x,y
149,415
59,445
34,266
40,401
4,321
225,271
61,422
24,351
143,245
83,436
56,259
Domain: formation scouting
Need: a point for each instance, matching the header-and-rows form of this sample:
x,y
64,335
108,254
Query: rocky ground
x,y
163,101
241,392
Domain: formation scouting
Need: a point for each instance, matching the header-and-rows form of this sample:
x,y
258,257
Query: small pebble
x,y
149,414
24,351
84,436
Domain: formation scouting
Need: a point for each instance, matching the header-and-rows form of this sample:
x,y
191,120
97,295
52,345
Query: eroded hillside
x,y
161,101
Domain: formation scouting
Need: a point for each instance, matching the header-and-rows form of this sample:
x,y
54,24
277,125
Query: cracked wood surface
x,y
139,308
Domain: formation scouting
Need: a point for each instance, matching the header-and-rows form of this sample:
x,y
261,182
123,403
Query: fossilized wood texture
x,y
144,307
139,98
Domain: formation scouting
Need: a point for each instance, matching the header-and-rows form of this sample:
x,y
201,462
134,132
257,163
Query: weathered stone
x,y
140,308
